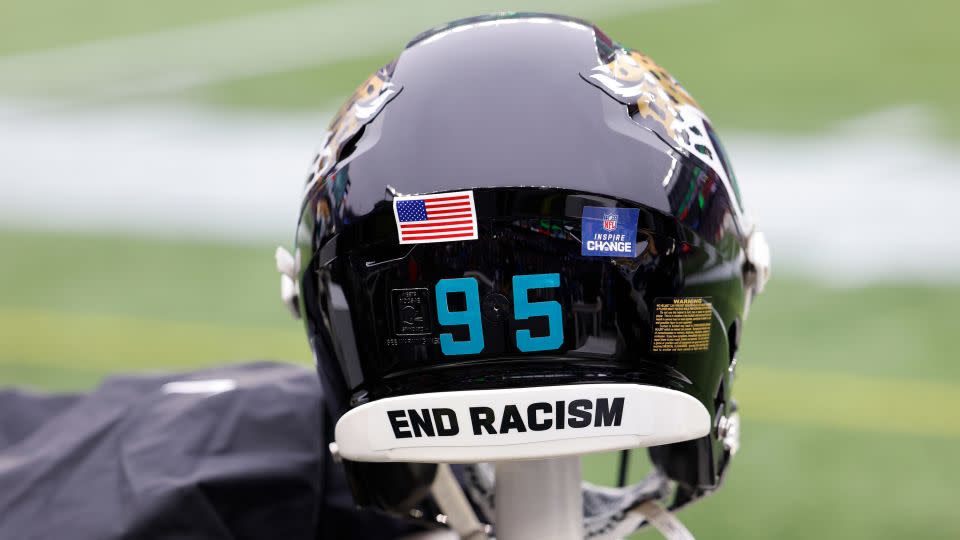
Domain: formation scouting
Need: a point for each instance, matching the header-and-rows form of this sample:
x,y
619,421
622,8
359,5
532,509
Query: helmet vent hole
x,y
719,400
733,340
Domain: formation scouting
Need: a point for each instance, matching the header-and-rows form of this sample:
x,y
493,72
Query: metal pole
x,y
539,499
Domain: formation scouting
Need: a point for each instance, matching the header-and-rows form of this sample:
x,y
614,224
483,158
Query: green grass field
x,y
850,396
753,64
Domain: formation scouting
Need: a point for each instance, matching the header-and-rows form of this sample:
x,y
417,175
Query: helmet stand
x,y
545,498
539,499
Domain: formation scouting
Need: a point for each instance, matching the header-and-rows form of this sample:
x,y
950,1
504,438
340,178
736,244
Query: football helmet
x,y
521,239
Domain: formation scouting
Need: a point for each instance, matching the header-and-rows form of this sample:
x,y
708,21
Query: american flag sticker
x,y
442,217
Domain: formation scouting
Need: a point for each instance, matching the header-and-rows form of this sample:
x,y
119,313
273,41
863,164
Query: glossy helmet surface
x,y
607,241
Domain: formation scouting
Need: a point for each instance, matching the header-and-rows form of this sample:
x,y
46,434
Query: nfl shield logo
x,y
610,221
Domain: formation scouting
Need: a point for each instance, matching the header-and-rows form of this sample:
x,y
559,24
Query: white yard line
x,y
254,44
863,202
875,198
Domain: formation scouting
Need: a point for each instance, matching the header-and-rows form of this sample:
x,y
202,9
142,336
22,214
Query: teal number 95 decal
x,y
469,317
523,309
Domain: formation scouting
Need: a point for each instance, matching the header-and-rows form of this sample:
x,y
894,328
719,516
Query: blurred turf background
x,y
850,396
753,64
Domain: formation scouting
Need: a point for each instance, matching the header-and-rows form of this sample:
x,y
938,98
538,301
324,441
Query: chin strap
x,y
653,513
662,520
608,513
453,502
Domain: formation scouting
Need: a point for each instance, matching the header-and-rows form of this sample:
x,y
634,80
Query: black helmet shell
x,y
547,123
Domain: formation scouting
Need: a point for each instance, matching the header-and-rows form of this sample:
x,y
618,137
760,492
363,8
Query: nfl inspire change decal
x,y
609,232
